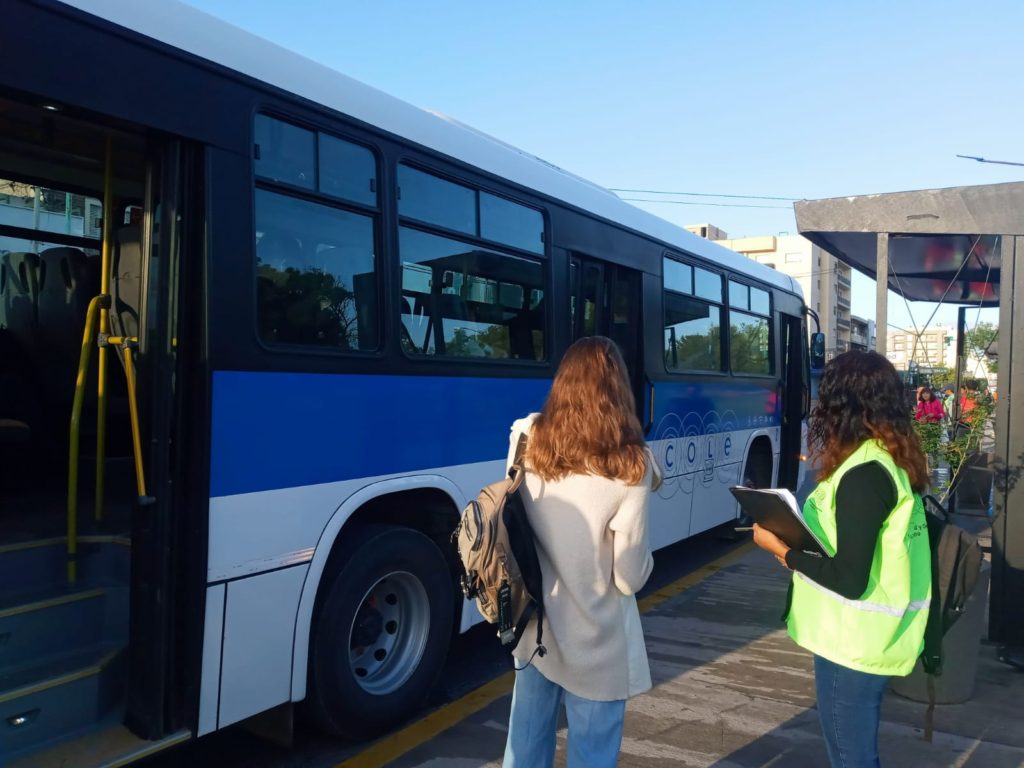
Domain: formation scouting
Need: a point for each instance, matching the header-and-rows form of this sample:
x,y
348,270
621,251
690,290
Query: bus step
x,y
58,696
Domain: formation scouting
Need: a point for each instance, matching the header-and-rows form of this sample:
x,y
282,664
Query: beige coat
x,y
594,554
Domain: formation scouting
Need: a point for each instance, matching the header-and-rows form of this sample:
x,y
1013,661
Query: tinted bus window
x,y
693,319
749,343
461,300
707,285
347,171
433,200
693,334
678,277
506,222
316,274
285,153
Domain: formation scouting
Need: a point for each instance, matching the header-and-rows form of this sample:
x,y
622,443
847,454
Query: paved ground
x,y
732,691
475,671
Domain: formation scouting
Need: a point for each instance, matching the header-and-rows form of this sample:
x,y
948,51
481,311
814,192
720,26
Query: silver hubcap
x,y
389,633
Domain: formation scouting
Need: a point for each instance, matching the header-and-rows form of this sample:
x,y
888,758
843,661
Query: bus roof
x,y
196,32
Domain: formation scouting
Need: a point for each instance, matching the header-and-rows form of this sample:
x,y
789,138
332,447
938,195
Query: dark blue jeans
x,y
849,707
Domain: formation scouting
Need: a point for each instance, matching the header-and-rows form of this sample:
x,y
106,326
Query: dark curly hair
x,y
860,397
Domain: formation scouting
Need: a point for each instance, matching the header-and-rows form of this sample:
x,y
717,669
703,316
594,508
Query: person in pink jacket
x,y
929,407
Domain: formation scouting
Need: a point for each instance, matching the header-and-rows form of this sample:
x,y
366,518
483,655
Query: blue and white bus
x,y
289,320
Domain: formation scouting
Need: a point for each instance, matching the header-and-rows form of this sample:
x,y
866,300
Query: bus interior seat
x,y
70,280
126,282
21,296
19,414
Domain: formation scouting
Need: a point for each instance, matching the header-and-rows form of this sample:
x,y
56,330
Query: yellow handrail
x,y
104,329
88,340
133,408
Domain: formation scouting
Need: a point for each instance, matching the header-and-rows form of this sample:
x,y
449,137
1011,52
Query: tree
x,y
976,341
942,377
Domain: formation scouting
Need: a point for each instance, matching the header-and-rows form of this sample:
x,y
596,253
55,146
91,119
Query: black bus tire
x,y
356,690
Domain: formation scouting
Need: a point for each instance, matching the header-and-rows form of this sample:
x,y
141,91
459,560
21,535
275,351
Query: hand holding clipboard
x,y
776,510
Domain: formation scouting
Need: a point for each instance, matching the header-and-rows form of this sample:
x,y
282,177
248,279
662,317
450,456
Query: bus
x,y
263,331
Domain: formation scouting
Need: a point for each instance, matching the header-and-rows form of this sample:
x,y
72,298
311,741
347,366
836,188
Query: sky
x,y
801,99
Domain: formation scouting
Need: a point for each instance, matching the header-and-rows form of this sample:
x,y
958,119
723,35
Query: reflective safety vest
x,y
883,632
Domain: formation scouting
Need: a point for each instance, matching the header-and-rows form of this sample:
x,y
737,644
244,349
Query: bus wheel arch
x,y
381,633
424,505
759,464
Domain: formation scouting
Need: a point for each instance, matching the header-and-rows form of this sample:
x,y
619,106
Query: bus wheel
x,y
381,634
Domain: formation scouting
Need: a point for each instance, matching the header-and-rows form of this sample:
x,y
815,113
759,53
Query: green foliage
x,y
307,306
954,451
941,377
976,341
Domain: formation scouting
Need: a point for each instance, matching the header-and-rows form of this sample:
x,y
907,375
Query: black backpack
x,y
956,562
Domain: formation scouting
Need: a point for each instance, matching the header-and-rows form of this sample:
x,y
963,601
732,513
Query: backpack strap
x,y
517,458
528,612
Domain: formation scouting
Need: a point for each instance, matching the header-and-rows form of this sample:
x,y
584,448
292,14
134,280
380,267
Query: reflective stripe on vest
x,y
864,605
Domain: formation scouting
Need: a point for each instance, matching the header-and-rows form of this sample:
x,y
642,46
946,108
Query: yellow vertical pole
x,y
104,329
133,406
88,341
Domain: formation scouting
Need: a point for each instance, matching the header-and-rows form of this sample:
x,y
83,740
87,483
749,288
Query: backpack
x,y
499,557
956,562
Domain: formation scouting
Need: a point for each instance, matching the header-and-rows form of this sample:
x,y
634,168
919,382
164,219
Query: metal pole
x,y
882,293
104,329
1006,607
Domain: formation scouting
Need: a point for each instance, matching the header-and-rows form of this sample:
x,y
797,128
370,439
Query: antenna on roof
x,y
983,160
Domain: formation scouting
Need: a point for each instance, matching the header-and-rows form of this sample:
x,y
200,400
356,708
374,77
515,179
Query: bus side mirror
x,y
817,350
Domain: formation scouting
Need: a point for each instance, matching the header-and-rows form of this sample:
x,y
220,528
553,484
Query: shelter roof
x,y
943,243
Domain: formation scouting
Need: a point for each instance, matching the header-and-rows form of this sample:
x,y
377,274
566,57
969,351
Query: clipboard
x,y
776,510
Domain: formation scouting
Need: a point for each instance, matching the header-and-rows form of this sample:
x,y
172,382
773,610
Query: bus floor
x,y
39,510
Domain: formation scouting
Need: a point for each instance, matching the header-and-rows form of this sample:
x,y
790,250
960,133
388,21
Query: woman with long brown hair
x,y
862,610
587,483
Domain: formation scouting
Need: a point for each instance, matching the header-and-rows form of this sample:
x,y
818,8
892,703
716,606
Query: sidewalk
x,y
732,691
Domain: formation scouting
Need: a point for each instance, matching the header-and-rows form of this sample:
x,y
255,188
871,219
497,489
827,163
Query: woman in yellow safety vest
x,y
861,611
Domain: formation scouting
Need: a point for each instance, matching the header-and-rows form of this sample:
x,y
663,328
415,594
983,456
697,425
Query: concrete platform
x,y
732,691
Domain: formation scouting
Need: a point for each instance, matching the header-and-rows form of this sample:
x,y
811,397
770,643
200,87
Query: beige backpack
x,y
499,557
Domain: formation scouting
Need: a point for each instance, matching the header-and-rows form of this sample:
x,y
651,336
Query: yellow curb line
x,y
397,744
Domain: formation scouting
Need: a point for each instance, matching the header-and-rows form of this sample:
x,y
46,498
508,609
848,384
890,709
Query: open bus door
x,y
158,647
795,389
91,663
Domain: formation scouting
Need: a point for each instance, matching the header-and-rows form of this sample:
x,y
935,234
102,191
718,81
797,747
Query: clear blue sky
x,y
801,99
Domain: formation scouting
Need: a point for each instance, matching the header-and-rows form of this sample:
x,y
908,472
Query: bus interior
x,y
70,434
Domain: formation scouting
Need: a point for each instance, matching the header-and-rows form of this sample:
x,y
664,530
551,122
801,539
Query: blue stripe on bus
x,y
283,430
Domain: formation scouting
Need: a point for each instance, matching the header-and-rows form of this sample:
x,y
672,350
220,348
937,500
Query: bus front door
x,y
793,385
606,302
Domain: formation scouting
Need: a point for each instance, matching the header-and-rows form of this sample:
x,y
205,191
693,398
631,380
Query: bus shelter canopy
x,y
943,243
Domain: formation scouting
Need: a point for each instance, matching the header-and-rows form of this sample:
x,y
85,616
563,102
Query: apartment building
x,y
826,281
862,333
933,348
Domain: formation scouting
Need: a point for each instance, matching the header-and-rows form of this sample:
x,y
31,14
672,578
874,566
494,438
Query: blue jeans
x,y
595,727
849,707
